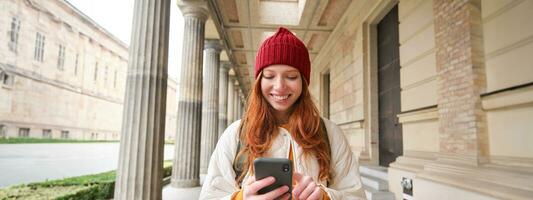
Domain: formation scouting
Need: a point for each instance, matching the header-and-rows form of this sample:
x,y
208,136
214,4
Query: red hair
x,y
259,128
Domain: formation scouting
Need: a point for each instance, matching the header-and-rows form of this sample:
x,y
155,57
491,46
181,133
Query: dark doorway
x,y
390,131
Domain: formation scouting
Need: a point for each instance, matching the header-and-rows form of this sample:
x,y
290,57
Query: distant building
x,y
61,74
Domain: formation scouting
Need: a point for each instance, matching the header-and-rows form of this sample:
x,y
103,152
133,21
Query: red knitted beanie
x,y
283,48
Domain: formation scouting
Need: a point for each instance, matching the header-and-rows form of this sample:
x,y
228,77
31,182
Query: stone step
x,y
372,194
375,183
374,171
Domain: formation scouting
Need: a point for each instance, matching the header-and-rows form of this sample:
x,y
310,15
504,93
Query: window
x,y
2,131
105,75
94,136
39,47
64,134
76,64
115,80
61,58
325,94
95,72
14,34
47,133
6,79
24,132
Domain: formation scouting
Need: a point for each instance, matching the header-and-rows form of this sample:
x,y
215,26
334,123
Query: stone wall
x,y
466,96
342,57
508,42
418,76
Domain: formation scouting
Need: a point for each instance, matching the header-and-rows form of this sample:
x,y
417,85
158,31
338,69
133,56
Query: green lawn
x,y
94,186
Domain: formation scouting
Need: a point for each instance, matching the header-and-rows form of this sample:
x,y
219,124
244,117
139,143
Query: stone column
x,y
209,104
223,98
231,96
242,105
140,166
461,80
185,172
236,102
239,112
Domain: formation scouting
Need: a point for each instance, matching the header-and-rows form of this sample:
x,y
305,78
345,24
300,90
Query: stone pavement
x,y
170,193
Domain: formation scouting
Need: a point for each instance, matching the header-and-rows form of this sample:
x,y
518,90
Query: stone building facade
x,y
62,75
465,94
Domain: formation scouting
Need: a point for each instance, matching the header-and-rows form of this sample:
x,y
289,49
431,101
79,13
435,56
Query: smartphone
x,y
279,168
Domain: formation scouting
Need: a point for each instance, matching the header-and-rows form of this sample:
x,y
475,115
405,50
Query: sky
x,y
116,17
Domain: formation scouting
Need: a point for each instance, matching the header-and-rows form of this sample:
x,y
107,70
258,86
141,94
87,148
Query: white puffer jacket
x,y
345,182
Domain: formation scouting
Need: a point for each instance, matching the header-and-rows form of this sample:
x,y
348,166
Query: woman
x,y
282,121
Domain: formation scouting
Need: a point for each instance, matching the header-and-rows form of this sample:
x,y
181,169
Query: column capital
x,y
226,65
196,8
213,44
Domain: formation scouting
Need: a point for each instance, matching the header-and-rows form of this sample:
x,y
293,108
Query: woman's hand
x,y
305,188
252,186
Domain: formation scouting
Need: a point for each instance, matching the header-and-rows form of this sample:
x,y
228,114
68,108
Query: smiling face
x,y
281,86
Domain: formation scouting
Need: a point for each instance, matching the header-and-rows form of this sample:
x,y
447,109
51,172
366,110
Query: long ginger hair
x,y
259,128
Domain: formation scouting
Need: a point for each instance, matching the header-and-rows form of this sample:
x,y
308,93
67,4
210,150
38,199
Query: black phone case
x,y
276,167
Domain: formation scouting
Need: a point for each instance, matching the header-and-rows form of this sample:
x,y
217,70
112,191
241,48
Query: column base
x,y
185,183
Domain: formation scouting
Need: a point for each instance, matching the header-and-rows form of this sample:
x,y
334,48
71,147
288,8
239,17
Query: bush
x,y
94,186
104,190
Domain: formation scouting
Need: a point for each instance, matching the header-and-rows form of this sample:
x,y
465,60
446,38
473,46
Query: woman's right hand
x,y
252,186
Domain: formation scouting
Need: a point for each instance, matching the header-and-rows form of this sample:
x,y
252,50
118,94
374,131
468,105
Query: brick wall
x,y
461,79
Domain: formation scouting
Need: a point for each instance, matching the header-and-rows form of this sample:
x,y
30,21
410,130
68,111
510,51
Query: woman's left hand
x,y
306,188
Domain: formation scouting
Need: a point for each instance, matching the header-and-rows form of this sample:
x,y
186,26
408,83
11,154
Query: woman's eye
x,y
268,76
292,77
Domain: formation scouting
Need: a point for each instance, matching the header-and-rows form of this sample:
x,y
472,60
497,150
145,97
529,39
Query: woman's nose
x,y
279,83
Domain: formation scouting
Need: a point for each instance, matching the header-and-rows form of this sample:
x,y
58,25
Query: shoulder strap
x,y
325,131
238,162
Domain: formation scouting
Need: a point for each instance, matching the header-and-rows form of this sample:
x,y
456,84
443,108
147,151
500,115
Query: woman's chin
x,y
281,109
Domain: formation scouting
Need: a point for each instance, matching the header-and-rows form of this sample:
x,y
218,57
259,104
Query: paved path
x,y
26,163
170,193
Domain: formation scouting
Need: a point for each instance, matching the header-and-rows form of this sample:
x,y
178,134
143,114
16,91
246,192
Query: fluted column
x,y
140,166
185,172
239,109
209,104
223,98
242,102
236,102
231,96
241,105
